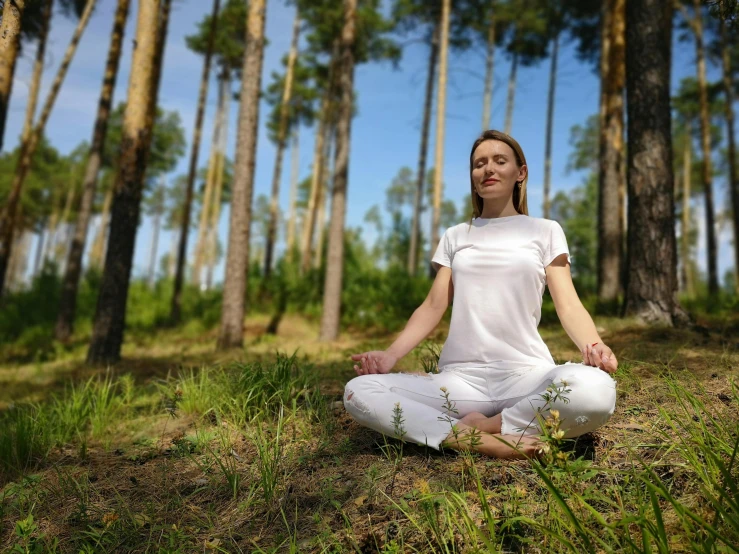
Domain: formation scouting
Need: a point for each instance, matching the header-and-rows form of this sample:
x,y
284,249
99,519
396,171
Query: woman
x,y
494,368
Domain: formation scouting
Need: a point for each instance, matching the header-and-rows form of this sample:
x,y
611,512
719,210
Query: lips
x,y
489,181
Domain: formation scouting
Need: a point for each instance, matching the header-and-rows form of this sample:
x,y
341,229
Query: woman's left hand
x,y
599,355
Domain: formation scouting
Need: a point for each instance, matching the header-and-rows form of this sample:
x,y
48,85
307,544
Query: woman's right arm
x,y
427,315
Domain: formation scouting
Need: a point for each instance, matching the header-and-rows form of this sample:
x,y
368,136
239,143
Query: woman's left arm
x,y
575,318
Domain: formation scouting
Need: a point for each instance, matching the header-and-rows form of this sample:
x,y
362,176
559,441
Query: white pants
x,y
589,401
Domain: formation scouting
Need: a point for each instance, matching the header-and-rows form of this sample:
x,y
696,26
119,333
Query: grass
x,y
183,450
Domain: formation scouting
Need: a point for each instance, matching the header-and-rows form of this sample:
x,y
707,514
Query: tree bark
x,y
40,245
487,97
326,175
705,123
309,222
212,239
28,147
511,94
213,160
60,251
610,176
175,313
10,37
281,140
727,79
550,122
68,299
155,237
110,314
440,121
97,252
237,259
421,175
651,293
685,225
331,316
294,177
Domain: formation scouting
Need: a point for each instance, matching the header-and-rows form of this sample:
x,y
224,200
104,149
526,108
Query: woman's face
x,y
494,170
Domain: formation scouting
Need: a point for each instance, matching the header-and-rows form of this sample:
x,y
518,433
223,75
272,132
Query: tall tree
x,y
335,261
28,147
68,296
210,177
110,314
282,132
727,80
176,308
155,207
294,177
440,122
232,311
10,43
651,292
696,24
611,174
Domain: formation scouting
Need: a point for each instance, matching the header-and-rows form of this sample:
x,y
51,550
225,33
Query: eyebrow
x,y
494,156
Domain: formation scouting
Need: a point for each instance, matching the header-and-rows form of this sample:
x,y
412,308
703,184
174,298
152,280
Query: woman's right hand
x,y
376,361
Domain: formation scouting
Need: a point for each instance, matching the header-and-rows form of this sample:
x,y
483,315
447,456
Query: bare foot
x,y
507,447
483,423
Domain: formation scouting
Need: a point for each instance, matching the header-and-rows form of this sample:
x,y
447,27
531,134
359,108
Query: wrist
x,y
394,353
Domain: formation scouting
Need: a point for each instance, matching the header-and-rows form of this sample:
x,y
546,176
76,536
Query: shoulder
x,y
456,230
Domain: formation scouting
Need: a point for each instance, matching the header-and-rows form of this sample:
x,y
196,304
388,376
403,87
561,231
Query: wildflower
x,y
559,435
554,413
443,389
544,449
561,456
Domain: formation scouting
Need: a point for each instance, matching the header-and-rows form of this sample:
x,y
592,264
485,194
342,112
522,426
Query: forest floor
x,y
182,449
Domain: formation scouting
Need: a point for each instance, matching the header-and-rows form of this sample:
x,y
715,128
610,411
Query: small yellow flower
x,y
544,449
443,389
562,456
110,518
559,435
554,413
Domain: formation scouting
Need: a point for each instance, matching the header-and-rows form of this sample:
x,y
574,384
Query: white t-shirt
x,y
499,279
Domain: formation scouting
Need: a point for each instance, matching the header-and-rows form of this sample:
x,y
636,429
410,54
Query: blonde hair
x,y
519,192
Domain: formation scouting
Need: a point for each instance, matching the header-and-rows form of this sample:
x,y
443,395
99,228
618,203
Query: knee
x,y
591,400
356,392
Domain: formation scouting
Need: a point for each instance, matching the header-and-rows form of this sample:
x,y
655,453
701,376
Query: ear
x,y
522,173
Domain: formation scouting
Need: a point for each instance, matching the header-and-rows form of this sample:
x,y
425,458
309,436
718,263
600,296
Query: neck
x,y
492,209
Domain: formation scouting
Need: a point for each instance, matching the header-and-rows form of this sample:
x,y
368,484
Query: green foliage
x,y
230,39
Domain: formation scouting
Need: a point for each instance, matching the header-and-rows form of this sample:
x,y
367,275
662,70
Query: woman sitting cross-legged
x,y
495,372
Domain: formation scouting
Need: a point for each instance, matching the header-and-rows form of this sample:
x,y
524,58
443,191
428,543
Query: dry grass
x,y
148,491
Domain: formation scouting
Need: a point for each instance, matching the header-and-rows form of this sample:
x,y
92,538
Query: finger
x,y
597,361
370,365
582,353
591,356
586,355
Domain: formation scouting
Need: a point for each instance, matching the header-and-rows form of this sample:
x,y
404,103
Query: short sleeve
x,y
443,255
556,244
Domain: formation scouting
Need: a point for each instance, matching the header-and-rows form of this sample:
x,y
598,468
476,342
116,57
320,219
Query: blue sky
x,y
385,134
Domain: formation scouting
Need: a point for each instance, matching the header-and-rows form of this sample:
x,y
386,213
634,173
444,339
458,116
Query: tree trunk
x,y
487,97
97,252
511,94
651,293
421,176
172,255
237,259
53,224
610,177
550,121
155,241
281,140
685,226
10,39
175,313
294,177
28,147
68,299
440,121
331,315
40,245
212,238
729,107
59,251
326,175
109,322
213,160
706,146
